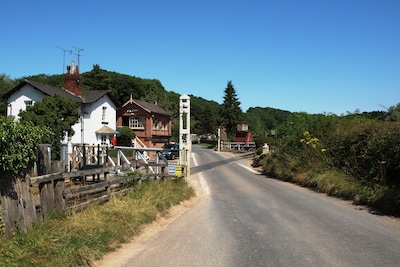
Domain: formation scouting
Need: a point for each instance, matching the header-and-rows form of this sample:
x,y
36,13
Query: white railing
x,y
238,146
139,155
138,143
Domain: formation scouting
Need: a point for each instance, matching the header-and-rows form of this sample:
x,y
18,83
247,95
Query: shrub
x,y
353,157
18,145
368,150
125,136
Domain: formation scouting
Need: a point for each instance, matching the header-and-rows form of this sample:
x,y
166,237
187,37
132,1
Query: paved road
x,y
246,219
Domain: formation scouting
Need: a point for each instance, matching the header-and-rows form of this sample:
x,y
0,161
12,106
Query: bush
x,y
125,137
261,140
18,145
369,151
353,157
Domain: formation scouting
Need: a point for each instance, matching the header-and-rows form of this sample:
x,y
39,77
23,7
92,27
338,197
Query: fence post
x,y
84,156
59,201
107,178
98,154
44,159
46,190
16,201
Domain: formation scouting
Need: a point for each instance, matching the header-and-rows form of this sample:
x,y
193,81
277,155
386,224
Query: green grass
x,y
81,238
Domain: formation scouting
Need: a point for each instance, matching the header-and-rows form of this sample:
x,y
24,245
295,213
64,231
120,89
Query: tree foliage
x,y
230,110
123,86
393,113
6,83
262,120
18,146
204,115
364,148
125,137
58,113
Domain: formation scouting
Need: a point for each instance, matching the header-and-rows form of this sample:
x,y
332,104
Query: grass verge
x,y
385,198
81,238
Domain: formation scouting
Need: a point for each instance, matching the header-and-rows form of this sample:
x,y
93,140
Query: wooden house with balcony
x,y
151,124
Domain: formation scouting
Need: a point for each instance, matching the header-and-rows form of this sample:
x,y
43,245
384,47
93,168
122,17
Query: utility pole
x,y
65,50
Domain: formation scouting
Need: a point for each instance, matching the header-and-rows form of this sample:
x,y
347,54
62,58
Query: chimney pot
x,y
73,67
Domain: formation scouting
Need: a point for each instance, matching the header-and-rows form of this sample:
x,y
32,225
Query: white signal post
x,y
185,144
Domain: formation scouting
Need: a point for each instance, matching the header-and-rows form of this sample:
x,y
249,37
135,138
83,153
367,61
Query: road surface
x,y
243,218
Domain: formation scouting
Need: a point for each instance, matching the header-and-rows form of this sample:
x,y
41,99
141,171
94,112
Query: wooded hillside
x,y
205,119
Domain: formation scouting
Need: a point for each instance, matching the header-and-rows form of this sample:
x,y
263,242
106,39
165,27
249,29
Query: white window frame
x,y
136,122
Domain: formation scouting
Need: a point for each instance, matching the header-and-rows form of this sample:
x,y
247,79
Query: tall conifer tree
x,y
230,110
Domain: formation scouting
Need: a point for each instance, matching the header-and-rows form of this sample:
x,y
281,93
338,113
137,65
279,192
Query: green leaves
x,y
56,112
18,143
230,111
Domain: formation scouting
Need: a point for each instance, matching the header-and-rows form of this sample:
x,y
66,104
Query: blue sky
x,y
314,56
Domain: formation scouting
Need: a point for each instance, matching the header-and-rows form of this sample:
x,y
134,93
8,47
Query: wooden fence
x,y
92,178
34,198
73,191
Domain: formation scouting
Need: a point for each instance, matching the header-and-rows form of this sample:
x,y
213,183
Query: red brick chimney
x,y
72,80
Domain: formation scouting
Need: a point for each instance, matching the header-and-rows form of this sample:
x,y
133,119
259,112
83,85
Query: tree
x,y
156,93
53,80
393,113
205,115
6,84
126,136
96,79
56,112
262,120
230,110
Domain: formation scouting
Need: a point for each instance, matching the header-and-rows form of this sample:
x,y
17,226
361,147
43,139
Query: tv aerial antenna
x,y
65,50
78,53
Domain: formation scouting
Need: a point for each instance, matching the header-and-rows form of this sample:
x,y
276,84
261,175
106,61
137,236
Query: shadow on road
x,y
212,165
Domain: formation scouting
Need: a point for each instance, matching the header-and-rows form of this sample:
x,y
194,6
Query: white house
x,y
97,110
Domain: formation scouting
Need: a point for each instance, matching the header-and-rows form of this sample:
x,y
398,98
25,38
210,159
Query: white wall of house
x,y
92,120
17,101
91,114
77,138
